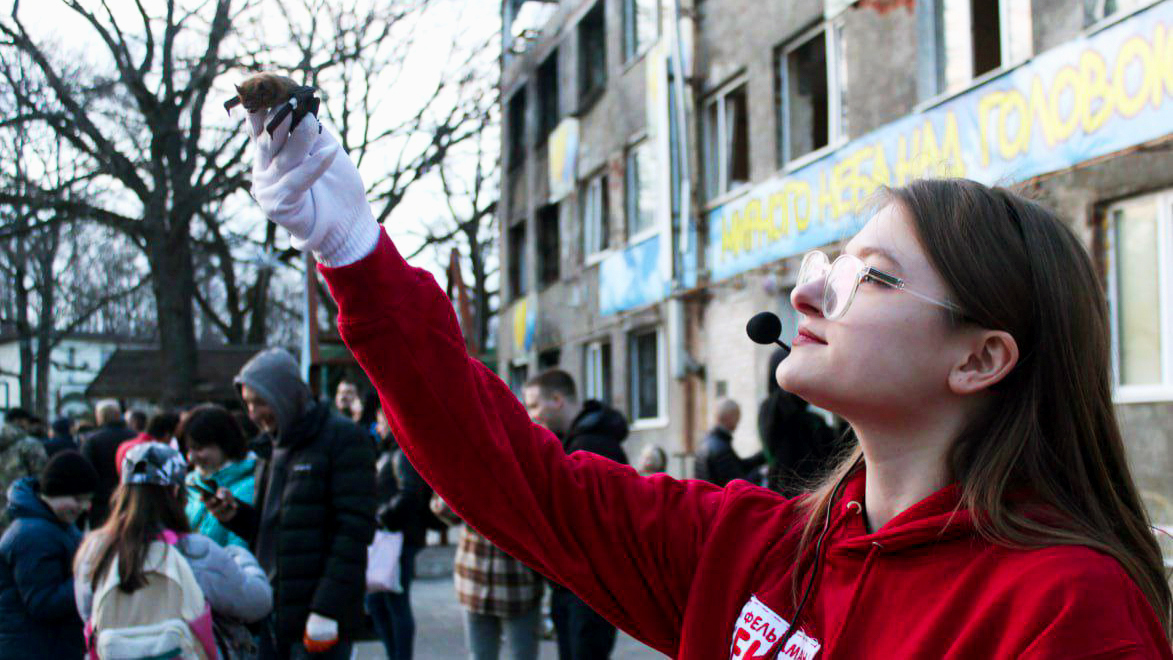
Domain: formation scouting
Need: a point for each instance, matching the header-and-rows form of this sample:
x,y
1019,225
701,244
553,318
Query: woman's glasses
x,y
841,280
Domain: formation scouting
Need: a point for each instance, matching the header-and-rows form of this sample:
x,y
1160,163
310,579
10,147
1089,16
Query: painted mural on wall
x,y
1087,98
631,278
563,145
524,326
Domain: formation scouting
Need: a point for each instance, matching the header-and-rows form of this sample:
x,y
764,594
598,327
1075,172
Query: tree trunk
x,y
24,333
173,284
47,291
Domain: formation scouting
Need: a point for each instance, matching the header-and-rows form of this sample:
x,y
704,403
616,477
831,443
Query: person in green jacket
x,y
216,448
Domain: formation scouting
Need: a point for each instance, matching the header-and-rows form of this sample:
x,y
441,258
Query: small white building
x,y
76,361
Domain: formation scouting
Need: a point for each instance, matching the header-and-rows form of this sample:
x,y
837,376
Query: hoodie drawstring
x,y
875,551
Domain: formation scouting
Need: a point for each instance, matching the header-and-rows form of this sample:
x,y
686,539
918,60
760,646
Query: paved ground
x,y
439,631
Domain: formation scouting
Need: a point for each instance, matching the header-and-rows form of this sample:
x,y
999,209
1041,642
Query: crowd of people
x,y
205,532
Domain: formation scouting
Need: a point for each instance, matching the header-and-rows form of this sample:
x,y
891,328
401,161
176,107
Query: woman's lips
x,y
805,337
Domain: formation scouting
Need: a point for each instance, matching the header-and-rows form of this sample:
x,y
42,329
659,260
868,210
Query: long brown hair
x,y
1050,427
139,513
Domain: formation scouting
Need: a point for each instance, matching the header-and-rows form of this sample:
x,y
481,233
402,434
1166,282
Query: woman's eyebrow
x,y
872,251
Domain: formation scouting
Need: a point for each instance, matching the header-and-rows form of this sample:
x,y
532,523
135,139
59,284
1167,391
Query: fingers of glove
x,y
289,208
311,167
305,139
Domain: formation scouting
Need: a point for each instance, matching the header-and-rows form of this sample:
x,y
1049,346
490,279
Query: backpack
x,y
167,618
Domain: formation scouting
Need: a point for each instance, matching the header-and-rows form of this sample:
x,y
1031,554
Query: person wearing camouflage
x,y
20,456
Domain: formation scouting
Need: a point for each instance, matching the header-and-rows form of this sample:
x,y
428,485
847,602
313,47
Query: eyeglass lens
x,y
841,278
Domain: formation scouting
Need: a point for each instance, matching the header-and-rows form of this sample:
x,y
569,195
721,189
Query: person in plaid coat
x,y
500,595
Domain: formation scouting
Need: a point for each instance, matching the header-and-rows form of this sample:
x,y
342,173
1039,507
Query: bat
x,y
265,91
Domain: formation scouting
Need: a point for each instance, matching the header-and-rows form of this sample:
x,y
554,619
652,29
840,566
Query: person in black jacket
x,y
798,444
716,461
38,616
315,512
552,401
403,498
100,448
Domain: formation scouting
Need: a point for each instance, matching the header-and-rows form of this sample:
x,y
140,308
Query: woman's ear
x,y
989,357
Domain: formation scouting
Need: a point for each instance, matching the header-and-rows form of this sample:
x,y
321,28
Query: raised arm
x,y
627,545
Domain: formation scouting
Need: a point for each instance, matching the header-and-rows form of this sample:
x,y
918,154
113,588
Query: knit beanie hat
x,y
68,473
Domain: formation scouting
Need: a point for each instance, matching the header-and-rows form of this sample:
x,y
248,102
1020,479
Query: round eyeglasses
x,y
841,280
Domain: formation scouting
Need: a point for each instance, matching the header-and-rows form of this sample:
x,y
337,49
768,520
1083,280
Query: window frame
x,y
597,371
519,366
545,115
661,419
548,259
631,200
709,133
632,49
518,284
835,63
1163,391
603,221
588,95
1013,54
517,148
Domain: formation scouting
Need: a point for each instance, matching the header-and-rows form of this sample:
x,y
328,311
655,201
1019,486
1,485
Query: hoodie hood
x,y
24,503
275,376
598,419
937,518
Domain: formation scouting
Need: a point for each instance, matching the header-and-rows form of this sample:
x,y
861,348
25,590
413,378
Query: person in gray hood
x,y
315,512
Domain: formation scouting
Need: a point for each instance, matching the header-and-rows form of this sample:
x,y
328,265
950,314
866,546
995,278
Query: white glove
x,y
307,184
320,629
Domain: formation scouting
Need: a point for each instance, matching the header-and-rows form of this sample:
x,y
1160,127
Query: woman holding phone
x,y
987,511
216,449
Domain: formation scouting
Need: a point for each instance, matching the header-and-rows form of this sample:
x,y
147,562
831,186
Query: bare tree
x,y
469,186
140,124
49,283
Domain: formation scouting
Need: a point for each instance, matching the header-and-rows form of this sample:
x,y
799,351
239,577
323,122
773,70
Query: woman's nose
x,y
807,298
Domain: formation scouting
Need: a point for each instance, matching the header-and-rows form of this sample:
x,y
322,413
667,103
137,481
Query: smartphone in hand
x,y
208,493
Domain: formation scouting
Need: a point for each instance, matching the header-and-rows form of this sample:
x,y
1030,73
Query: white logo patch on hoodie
x,y
759,630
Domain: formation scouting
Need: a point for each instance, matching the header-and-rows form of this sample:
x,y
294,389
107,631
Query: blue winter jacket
x,y
38,618
237,477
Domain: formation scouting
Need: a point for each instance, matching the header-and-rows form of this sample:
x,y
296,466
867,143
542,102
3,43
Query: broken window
x,y
549,247
548,107
516,256
726,143
516,111
809,79
641,26
592,55
966,39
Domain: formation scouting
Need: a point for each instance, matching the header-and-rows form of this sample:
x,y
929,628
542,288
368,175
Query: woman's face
x,y
208,459
890,352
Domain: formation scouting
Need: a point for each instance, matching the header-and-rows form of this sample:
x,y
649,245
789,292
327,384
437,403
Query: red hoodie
x,y
700,572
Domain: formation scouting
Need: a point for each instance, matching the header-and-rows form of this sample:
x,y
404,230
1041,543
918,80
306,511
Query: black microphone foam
x,y
764,328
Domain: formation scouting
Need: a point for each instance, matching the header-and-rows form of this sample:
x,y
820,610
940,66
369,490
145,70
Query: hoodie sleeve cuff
x,y
367,286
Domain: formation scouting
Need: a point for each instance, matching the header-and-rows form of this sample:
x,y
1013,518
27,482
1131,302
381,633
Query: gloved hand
x,y
307,184
320,633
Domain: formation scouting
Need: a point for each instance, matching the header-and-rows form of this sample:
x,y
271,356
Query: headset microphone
x,y
766,328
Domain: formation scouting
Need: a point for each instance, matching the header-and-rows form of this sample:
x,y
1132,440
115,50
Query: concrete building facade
x,y
668,162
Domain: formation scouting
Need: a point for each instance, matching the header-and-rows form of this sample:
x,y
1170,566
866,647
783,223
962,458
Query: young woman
x,y
37,615
988,510
216,449
147,509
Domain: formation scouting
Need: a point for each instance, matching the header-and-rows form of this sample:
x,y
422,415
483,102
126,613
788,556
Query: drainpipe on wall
x,y
677,318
